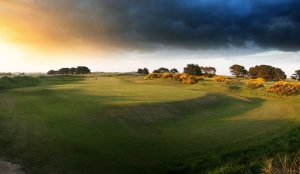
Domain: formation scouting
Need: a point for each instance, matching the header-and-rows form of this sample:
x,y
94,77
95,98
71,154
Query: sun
x,y
10,51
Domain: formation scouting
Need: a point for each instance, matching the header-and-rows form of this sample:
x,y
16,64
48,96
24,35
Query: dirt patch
x,y
10,168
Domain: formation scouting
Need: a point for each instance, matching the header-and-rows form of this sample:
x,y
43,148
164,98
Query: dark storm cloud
x,y
195,24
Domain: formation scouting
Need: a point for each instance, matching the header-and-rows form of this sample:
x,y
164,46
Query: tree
x,y
192,69
297,72
52,72
279,74
64,71
145,71
209,70
82,70
78,70
72,70
238,70
163,70
140,71
267,72
296,76
174,70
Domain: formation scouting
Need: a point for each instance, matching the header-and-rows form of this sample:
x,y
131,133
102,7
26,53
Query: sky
x,y
124,35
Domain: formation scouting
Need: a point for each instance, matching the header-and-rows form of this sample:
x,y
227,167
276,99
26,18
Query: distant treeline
x,y
191,69
64,71
6,74
3,74
266,72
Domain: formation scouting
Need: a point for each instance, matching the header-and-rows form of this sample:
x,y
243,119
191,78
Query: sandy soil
x,y
10,168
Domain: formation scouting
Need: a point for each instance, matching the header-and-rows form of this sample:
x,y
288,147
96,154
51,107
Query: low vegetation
x,y
17,82
278,155
285,88
184,78
255,83
220,79
282,164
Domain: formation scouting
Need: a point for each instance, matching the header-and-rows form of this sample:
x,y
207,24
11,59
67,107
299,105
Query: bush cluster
x,y
167,75
284,88
190,80
255,83
184,78
153,76
220,79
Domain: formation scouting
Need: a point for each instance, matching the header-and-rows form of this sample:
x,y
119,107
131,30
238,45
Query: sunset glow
x,y
38,33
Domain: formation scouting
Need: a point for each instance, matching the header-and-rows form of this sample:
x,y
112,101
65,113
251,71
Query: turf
x,y
125,124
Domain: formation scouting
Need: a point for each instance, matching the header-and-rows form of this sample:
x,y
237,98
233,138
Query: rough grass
x,y
124,124
17,82
282,165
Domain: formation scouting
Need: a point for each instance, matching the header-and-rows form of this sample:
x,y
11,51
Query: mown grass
x,y
124,124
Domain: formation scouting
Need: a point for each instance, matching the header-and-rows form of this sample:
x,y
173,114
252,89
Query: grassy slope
x,y
128,125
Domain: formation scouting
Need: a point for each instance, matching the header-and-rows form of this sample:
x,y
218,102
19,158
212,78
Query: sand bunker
x,y
10,168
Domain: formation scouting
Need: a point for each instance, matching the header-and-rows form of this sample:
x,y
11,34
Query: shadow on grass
x,y
210,106
250,160
60,79
234,87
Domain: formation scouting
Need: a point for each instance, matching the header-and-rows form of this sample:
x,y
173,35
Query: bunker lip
x,y
10,168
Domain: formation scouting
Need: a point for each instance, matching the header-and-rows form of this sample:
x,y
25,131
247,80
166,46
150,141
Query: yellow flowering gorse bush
x,y
220,79
285,88
152,76
255,83
167,75
184,78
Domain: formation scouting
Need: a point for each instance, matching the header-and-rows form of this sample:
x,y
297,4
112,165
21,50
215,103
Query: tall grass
x,y
286,164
